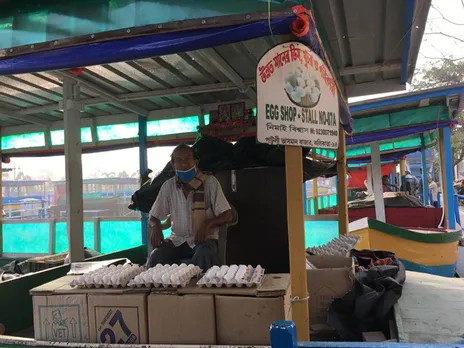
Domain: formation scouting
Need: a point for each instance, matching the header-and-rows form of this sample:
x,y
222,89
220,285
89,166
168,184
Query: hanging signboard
x,y
297,102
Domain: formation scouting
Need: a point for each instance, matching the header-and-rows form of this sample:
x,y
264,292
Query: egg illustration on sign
x,y
302,88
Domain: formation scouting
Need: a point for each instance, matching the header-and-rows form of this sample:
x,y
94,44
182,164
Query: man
x,y
433,189
196,206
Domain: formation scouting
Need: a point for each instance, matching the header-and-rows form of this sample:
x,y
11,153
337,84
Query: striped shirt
x,y
172,201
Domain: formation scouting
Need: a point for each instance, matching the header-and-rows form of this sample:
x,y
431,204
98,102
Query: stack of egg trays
x,y
108,277
233,276
166,276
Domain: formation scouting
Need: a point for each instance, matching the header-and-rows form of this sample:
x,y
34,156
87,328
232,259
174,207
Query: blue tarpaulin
x,y
396,132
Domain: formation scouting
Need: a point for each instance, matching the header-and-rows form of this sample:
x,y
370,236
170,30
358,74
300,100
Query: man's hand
x,y
202,233
156,237
156,234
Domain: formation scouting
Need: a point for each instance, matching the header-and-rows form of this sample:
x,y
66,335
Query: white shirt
x,y
171,201
433,187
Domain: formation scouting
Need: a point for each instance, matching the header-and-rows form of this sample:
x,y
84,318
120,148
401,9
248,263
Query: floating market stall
x,y
107,90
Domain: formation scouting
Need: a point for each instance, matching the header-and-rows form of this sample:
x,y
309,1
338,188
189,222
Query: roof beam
x,y
193,110
370,68
125,105
212,87
30,119
215,59
376,87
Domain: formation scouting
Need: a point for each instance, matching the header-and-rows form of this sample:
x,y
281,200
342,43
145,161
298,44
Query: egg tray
x,y
185,273
107,277
253,277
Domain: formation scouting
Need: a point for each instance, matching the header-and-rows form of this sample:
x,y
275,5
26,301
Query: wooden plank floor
x,y
431,309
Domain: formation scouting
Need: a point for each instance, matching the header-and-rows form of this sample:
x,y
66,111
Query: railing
x,y
34,237
324,201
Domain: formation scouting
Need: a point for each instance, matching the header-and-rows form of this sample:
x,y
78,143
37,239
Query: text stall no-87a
x,y
297,101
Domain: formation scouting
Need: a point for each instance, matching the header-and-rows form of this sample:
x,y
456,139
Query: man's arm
x,y
221,208
222,219
159,211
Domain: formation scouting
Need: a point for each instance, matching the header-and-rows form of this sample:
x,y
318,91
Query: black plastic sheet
x,y
216,155
376,288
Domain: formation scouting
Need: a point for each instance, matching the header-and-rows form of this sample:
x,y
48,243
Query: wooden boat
x,y
426,250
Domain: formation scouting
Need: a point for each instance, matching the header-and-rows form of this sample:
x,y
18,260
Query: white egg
x,y
295,97
315,90
166,278
98,279
301,82
311,83
314,97
112,266
147,278
300,91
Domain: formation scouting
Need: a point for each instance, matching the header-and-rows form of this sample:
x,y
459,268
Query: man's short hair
x,y
181,147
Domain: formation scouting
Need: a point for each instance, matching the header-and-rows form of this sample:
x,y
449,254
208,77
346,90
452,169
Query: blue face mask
x,y
186,175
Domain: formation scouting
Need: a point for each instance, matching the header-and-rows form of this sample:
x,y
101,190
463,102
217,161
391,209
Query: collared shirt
x,y
172,201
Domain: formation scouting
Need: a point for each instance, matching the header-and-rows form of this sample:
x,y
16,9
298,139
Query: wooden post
x,y
377,176
342,193
315,196
296,240
402,167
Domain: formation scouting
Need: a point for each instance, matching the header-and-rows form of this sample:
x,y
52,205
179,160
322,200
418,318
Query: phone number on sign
x,y
330,132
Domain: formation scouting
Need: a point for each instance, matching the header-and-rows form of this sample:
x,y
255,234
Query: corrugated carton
x,y
332,279
181,319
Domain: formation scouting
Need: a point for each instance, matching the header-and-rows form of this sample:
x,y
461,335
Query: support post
x,y
370,188
425,183
143,163
315,197
342,193
1,191
446,161
296,238
51,236
305,200
377,176
96,234
402,167
73,166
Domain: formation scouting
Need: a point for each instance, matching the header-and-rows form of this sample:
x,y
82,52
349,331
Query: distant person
x,y
433,188
386,185
410,184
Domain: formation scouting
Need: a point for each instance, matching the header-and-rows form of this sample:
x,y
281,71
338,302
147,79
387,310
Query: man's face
x,y
183,160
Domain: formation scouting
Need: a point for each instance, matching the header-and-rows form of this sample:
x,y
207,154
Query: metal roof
x,y
448,95
167,83
366,38
374,42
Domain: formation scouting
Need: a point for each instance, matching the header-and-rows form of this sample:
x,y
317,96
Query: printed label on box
x,y
60,323
117,325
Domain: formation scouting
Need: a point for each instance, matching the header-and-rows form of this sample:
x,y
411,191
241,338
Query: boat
x,y
426,250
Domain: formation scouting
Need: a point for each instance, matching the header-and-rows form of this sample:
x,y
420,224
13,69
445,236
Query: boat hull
x,y
427,251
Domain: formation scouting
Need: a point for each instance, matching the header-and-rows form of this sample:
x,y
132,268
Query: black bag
x,y
375,290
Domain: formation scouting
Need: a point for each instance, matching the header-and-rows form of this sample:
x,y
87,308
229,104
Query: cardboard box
x,y
59,318
120,319
244,315
246,320
332,279
181,319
